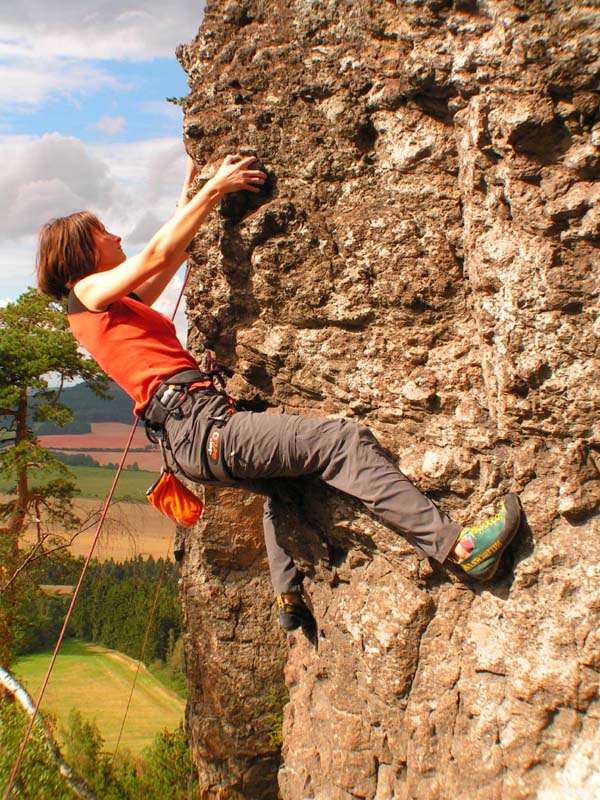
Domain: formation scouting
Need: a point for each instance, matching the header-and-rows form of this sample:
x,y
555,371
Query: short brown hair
x,y
66,252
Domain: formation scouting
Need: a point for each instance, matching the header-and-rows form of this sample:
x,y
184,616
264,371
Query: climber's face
x,y
108,247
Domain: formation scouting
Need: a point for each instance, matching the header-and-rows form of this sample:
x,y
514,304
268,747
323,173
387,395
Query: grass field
x,y
97,681
96,481
132,527
130,530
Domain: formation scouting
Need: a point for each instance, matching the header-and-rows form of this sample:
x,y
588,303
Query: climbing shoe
x,y
486,543
294,615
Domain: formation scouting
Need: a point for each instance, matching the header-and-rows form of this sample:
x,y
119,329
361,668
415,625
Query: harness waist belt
x,y
181,381
171,393
207,411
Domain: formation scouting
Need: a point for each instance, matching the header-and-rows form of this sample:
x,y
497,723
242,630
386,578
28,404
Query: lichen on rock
x,y
426,263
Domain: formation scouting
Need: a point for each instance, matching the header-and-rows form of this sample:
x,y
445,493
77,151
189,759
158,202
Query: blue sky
x,y
84,121
132,105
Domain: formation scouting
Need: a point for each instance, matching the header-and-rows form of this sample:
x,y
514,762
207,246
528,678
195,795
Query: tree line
x,y
85,460
113,607
87,408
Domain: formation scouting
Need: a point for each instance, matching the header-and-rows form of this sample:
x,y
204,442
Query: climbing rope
x,y
142,649
105,508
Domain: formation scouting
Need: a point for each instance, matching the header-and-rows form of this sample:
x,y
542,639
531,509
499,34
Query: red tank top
x,y
134,344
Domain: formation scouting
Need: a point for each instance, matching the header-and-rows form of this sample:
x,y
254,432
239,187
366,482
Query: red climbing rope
x,y
107,503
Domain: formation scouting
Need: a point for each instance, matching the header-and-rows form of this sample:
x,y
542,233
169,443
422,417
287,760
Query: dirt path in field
x,y
132,664
121,657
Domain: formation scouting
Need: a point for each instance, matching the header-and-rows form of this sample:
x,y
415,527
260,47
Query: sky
x,y
84,121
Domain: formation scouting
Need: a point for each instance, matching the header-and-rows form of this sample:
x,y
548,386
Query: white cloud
x,y
46,177
166,167
110,125
46,48
132,186
148,174
27,81
99,29
35,199
144,229
18,266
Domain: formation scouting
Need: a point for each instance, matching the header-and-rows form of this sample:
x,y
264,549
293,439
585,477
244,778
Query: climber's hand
x,y
234,175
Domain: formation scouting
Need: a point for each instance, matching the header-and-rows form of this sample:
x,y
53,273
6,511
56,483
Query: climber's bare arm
x,y
152,289
190,174
148,272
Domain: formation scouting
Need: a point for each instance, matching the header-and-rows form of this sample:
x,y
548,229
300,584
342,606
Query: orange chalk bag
x,y
171,497
174,500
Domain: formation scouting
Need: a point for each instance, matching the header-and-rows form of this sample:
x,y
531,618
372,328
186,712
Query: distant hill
x,y
88,407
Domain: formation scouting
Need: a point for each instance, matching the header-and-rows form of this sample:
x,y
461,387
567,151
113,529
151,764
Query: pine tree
x,y
38,355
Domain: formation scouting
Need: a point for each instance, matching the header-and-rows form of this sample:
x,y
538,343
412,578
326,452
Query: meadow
x,y
130,530
96,481
132,527
97,681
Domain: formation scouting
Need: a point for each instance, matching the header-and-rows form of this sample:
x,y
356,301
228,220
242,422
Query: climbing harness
x,y
168,494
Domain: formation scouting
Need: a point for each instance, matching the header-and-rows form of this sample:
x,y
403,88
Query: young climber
x,y
110,314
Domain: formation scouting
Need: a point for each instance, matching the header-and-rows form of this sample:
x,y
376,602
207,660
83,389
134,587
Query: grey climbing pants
x,y
344,455
260,447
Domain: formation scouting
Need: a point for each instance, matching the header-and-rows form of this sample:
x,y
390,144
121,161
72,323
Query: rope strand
x,y
109,497
142,650
107,502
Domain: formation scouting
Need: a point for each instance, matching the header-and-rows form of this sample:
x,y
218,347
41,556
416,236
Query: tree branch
x,y
38,551
18,691
59,390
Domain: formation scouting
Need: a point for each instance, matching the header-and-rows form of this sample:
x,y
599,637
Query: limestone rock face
x,y
425,262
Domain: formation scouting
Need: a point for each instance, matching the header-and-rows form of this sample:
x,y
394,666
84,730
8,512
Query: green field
x,y
97,681
96,481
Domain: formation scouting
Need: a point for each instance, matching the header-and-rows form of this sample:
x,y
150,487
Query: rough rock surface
x,y
427,263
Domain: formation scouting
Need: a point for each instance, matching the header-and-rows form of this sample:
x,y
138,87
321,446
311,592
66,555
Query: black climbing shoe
x,y
294,615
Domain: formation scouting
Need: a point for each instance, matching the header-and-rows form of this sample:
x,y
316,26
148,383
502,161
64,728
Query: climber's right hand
x,y
234,174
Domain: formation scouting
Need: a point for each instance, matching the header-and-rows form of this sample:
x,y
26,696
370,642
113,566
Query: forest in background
x,y
88,407
113,609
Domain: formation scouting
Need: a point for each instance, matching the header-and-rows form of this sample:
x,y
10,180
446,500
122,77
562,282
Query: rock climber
x,y
109,299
